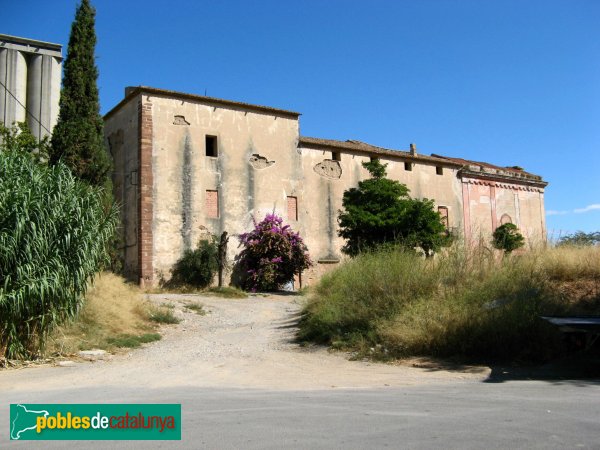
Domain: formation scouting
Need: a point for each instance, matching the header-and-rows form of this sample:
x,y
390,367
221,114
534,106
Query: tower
x,y
30,74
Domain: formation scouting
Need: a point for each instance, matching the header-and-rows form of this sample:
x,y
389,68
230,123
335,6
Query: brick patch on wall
x,y
212,204
292,208
145,185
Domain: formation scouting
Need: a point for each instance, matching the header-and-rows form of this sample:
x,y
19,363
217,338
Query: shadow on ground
x,y
582,368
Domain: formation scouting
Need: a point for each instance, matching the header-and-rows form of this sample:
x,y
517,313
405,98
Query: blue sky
x,y
510,82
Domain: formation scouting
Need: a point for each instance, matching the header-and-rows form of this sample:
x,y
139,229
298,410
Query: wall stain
x,y
186,194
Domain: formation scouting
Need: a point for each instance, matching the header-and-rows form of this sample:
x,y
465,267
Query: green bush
x,y
507,237
196,267
53,235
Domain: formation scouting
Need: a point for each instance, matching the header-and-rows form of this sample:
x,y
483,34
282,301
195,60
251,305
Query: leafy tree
x,y
273,253
18,138
580,238
77,138
380,211
507,237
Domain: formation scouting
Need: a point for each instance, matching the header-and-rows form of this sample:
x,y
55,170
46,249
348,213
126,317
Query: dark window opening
x,y
336,156
439,170
408,166
211,146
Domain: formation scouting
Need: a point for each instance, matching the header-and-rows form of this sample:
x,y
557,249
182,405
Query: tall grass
x,y
53,235
471,303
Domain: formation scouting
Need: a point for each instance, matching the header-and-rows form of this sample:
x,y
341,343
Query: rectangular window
x,y
212,204
443,210
211,146
292,208
336,156
439,170
408,166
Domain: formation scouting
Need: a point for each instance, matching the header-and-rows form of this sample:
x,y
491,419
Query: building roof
x,y
363,147
131,92
487,170
30,45
470,168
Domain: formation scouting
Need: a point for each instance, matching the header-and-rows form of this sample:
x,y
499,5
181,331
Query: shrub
x,y
196,267
273,253
507,237
53,235
380,212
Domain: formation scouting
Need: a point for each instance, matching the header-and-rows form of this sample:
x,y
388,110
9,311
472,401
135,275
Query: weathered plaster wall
x,y
489,204
325,183
248,186
121,133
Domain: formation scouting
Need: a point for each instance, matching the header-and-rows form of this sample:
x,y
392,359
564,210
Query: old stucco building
x,y
188,165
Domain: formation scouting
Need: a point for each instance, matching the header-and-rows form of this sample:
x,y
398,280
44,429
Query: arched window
x,y
505,219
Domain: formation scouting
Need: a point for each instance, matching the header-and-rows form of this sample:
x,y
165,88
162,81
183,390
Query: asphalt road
x,y
457,414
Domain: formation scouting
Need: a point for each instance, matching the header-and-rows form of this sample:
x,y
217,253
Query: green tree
x,y
77,138
507,237
580,239
18,138
380,211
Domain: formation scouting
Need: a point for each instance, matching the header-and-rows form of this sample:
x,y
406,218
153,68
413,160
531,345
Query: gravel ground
x,y
238,343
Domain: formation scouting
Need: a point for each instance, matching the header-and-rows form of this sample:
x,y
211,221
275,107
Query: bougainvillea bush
x,y
273,253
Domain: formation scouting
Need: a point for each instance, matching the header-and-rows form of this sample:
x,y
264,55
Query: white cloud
x,y
587,208
553,212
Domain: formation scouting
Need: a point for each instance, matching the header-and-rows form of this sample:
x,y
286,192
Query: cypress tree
x,y
78,139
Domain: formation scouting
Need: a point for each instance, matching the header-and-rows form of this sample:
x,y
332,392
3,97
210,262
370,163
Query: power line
x,y
24,107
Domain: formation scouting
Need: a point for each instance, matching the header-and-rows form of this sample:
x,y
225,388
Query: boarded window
x,y
211,146
212,204
292,208
444,215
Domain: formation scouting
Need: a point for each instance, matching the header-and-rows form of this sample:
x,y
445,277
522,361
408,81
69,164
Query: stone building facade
x,y
187,166
30,74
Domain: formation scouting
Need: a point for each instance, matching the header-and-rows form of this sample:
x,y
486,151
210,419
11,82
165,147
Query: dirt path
x,y
244,343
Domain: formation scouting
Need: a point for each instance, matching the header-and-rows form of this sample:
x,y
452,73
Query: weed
x,y
163,315
195,307
227,292
132,341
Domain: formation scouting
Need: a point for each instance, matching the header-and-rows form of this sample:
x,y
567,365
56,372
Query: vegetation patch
x,y
112,309
198,308
227,292
54,231
471,304
133,341
163,315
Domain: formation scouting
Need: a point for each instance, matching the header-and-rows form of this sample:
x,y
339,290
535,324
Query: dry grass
x,y
113,308
471,303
